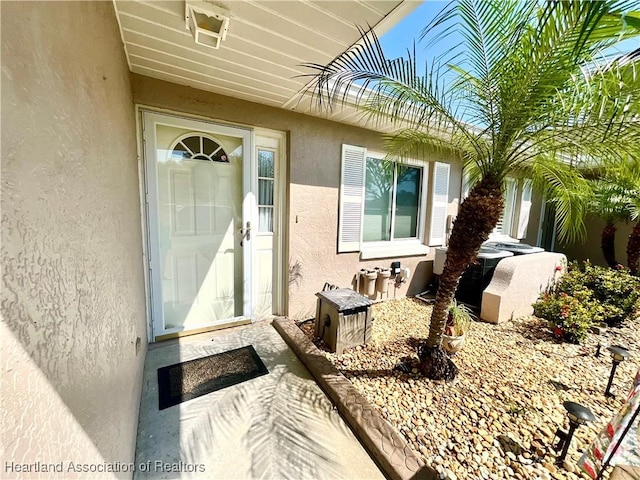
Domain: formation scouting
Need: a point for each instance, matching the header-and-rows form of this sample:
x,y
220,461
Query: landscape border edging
x,y
387,447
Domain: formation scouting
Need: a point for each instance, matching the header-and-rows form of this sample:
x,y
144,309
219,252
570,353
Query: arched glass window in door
x,y
198,147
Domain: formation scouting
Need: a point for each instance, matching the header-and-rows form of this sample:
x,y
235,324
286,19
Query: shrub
x,y
570,316
586,296
615,290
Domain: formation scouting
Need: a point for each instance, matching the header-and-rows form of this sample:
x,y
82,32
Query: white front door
x,y
201,208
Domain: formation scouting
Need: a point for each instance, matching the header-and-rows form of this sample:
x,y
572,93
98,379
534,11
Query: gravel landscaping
x,y
498,418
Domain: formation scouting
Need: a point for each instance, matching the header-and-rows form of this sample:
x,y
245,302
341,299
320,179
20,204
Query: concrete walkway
x,y
280,425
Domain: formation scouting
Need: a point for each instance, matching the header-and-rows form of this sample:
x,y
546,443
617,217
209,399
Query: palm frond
x,y
533,78
389,90
613,200
567,189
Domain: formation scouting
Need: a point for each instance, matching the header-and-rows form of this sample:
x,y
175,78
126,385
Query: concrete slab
x,y
280,425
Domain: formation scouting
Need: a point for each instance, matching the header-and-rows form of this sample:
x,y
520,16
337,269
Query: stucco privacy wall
x,y
590,249
314,153
73,301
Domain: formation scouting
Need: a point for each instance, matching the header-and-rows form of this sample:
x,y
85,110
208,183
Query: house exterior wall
x,y
590,249
314,160
73,303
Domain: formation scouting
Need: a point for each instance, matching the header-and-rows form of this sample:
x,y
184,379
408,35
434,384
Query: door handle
x,y
245,233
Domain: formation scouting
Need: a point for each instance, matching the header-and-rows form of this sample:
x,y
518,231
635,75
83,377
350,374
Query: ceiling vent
x,y
208,23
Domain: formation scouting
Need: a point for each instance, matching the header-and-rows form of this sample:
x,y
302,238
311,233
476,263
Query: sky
x,y
396,41
402,36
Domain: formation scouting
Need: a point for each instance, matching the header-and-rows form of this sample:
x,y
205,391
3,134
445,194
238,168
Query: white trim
x,y
397,248
144,221
524,209
437,232
124,43
422,205
276,140
279,138
355,158
385,248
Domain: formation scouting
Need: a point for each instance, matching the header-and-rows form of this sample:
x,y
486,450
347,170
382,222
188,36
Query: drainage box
x,y
343,319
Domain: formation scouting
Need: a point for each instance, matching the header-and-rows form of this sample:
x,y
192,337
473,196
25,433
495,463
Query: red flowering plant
x,y
570,308
589,295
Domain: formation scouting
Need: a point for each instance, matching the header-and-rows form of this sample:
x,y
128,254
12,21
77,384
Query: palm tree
x,y
633,249
612,201
627,176
529,84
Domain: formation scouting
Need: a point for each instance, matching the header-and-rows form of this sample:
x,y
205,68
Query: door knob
x,y
245,233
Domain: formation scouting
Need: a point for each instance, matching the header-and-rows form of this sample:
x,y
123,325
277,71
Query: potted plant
x,y
458,323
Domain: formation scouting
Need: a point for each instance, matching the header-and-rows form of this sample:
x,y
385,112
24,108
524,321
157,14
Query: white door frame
x,y
249,207
273,139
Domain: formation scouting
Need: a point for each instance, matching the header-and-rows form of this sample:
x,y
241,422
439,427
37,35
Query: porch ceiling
x,y
267,41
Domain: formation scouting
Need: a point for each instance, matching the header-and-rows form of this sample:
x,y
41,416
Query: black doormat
x,y
184,381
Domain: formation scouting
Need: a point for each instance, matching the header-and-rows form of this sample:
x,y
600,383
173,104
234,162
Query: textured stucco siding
x,y
590,248
314,158
517,282
73,301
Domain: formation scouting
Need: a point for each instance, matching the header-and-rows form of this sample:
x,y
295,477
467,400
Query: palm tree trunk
x,y
633,250
608,244
478,216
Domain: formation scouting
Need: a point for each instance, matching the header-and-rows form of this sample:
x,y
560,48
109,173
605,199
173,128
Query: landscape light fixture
x,y
208,23
578,415
618,354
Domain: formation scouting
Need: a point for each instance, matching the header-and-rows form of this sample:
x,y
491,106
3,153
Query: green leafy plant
x,y
458,320
570,317
616,291
586,296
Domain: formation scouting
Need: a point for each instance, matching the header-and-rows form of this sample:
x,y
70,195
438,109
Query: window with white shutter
x,y
466,184
351,198
439,202
382,204
505,222
514,219
525,209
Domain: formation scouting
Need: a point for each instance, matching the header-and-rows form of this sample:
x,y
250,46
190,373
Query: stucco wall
x,y
590,248
73,301
314,172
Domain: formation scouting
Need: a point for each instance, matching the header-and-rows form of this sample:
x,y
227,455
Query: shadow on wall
x,y
295,273
420,278
591,250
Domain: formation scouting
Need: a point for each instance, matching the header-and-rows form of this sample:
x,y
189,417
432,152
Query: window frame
x,y
273,150
395,247
376,155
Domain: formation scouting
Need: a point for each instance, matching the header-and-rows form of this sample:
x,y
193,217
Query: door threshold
x,y
187,333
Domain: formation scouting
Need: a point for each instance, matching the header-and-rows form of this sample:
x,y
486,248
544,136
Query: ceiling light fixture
x,y
208,23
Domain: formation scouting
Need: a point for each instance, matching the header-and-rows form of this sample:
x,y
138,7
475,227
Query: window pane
x,y
265,163
407,202
220,156
208,146
265,217
193,143
265,192
377,201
